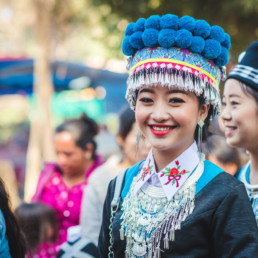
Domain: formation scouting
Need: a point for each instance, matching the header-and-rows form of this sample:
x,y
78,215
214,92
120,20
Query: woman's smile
x,y
161,130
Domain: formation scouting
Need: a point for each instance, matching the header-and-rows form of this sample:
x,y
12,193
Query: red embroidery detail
x,y
146,170
173,174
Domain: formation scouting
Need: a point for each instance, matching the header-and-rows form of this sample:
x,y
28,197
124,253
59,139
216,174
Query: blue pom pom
x,y
222,59
217,33
198,44
227,42
167,38
212,49
139,25
129,29
150,37
186,22
127,48
168,21
202,29
136,40
184,38
153,22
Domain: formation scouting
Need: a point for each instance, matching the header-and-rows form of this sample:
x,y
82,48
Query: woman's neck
x,y
76,178
254,168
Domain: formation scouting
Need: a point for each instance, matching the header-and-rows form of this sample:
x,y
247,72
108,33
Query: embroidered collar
x,y
173,176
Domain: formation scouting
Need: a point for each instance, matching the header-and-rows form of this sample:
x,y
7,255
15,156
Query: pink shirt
x,y
66,202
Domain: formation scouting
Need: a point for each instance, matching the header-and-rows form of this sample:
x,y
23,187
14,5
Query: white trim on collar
x,y
173,176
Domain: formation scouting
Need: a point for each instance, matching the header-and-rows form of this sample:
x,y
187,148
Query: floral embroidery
x,y
146,170
173,174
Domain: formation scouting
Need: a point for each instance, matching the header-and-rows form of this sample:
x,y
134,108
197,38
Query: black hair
x,y
83,131
126,121
14,235
249,91
34,219
216,145
205,129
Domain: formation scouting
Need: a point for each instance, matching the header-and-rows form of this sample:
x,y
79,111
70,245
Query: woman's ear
x,y
204,110
120,140
89,150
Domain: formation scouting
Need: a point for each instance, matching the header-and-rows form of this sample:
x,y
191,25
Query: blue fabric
x,y
247,176
210,172
4,246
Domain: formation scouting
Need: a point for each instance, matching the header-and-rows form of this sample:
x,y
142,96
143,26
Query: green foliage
x,y
239,18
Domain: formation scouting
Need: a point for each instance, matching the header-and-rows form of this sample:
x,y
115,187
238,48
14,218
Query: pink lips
x,y
229,131
161,132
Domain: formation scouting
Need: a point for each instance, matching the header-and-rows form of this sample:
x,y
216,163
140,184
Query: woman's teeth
x,y
161,128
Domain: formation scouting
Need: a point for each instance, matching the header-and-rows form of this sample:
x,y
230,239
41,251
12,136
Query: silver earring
x,y
200,127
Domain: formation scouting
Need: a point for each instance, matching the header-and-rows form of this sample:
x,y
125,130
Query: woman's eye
x,y
234,103
223,104
176,100
145,100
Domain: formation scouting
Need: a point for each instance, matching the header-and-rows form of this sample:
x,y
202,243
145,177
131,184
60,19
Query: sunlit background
x,y
61,58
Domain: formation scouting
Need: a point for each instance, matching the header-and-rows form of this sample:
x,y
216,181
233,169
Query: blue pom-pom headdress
x,y
186,53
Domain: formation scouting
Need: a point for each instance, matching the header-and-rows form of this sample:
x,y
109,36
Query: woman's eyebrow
x,y
146,90
177,91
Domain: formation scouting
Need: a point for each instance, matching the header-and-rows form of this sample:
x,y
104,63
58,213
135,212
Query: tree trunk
x,y
40,146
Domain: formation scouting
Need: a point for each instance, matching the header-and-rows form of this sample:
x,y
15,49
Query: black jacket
x,y
221,225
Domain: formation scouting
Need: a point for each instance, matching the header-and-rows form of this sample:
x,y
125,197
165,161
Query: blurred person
x,y
94,195
12,243
38,223
176,203
217,151
61,185
240,117
7,174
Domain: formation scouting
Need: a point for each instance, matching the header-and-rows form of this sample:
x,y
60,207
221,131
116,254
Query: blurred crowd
x,y
66,209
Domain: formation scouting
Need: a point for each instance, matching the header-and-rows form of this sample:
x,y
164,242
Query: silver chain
x,y
110,248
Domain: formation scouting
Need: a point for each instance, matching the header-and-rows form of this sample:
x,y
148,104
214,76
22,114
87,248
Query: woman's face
x,y
70,158
168,118
239,116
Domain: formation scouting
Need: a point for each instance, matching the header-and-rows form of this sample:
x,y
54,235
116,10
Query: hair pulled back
x,y
83,131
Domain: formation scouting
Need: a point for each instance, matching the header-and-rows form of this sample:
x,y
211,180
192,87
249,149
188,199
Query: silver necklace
x,y
149,215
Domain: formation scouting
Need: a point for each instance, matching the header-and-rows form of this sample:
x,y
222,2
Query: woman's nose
x,y
160,113
225,114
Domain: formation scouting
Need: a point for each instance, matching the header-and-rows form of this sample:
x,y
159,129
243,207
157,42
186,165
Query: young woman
x,y
61,185
95,193
240,117
12,242
175,203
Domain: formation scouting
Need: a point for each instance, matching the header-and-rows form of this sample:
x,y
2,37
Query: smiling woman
x,y
175,203
240,117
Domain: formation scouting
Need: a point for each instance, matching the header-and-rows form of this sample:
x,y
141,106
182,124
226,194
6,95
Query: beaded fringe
x,y
144,230
170,77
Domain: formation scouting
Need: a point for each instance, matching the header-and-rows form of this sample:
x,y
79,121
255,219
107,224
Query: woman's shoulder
x,y
214,179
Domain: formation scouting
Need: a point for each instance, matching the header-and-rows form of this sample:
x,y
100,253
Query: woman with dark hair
x,y
95,193
12,243
176,203
240,117
61,185
38,223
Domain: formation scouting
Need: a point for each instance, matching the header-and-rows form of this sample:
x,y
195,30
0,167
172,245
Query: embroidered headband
x,y
246,70
176,52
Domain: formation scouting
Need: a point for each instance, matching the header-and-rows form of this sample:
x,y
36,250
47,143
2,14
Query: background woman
x,y
95,193
240,117
61,185
175,204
